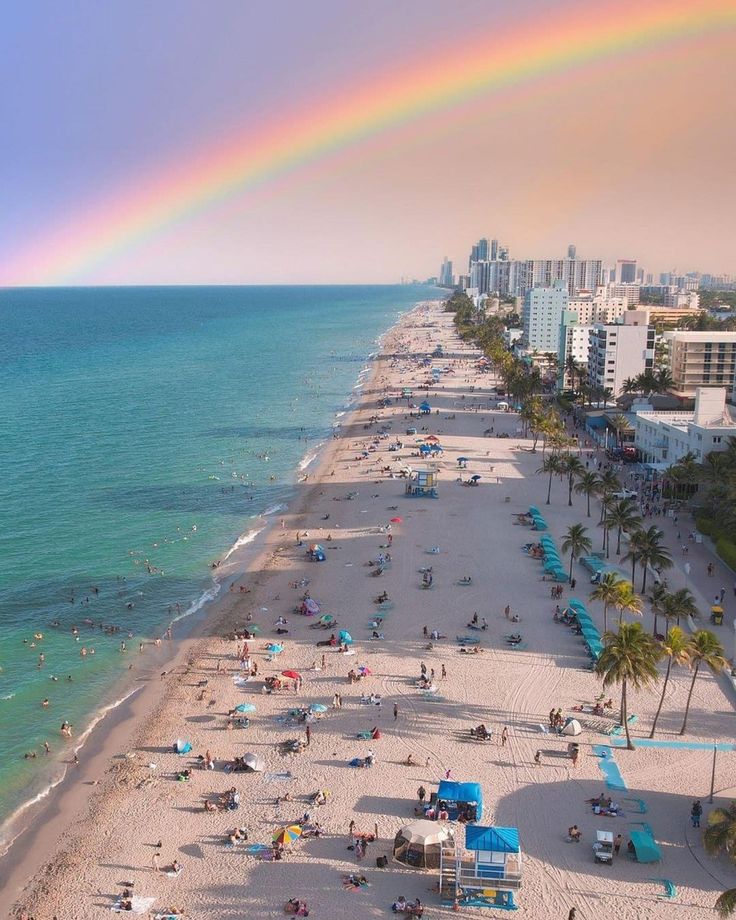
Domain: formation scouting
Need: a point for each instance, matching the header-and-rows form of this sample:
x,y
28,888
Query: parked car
x,y
603,847
625,493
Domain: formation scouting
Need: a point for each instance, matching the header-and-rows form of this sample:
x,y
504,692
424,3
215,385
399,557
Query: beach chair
x,y
467,640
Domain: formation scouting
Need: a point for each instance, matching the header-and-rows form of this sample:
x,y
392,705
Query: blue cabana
x,y
645,847
425,408
456,796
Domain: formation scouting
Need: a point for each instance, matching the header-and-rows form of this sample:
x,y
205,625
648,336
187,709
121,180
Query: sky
x,y
331,141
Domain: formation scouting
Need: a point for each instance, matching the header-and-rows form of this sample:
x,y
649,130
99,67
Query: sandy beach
x,y
105,837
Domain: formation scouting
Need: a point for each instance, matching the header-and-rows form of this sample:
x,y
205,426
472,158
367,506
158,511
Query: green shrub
x,y
726,549
707,526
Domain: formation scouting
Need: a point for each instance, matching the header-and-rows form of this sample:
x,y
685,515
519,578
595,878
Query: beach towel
x,y
284,777
140,904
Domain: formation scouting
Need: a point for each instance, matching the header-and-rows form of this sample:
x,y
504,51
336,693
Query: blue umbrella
x,y
345,637
245,707
475,478
318,707
274,648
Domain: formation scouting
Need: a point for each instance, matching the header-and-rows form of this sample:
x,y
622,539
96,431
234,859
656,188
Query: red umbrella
x,y
396,520
294,675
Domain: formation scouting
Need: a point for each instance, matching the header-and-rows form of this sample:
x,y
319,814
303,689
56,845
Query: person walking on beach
x,y
507,611
444,672
155,861
351,827
572,914
504,736
617,844
396,711
309,735
422,794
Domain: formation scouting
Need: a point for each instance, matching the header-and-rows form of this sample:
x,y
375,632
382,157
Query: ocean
x,y
145,431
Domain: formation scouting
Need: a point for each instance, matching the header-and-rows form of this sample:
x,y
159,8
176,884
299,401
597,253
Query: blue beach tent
x,y
457,794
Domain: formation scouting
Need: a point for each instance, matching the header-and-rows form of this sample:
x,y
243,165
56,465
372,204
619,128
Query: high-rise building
x,y
483,250
701,359
626,271
619,351
597,306
572,251
542,317
493,255
447,279
574,345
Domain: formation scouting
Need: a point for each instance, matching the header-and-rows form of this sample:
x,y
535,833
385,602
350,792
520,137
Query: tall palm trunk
x,y
618,542
572,559
633,568
661,699
588,504
690,696
644,579
569,491
605,617
549,485
625,716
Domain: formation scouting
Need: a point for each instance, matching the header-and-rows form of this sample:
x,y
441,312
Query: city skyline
x,y
282,144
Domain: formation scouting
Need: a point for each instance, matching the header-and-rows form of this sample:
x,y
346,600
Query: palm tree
x,y
657,599
704,648
720,837
629,658
555,467
680,604
574,469
652,553
624,517
627,601
619,423
607,591
576,541
636,544
676,648
588,485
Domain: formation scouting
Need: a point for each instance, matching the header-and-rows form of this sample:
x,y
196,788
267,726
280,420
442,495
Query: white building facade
x,y
666,437
542,317
619,351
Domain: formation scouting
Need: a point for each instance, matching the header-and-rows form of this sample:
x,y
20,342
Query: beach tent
x,y
419,844
254,763
181,746
309,607
645,847
275,648
317,553
455,795
571,727
425,408
245,707
345,637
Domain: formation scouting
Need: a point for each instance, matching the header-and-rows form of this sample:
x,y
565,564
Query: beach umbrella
x,y
364,670
294,675
274,648
286,835
475,478
396,520
318,707
245,707
255,628
345,637
254,762
430,437
463,459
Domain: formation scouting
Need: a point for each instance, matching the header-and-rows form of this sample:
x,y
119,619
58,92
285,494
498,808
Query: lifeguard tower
x,y
484,874
422,484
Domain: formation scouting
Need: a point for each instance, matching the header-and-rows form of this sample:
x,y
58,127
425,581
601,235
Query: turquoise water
x,y
144,430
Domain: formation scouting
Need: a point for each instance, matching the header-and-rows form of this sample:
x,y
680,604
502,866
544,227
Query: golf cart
x,y
603,847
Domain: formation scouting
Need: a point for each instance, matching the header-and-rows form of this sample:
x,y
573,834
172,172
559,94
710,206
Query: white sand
x,y
474,528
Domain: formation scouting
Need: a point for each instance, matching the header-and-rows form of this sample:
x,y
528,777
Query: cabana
x,y
424,408
646,849
461,798
419,844
316,553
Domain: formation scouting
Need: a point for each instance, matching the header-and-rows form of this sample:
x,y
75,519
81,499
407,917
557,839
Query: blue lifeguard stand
x,y
486,873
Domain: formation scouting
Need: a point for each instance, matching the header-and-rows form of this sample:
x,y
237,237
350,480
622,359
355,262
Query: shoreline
x,y
423,737
27,851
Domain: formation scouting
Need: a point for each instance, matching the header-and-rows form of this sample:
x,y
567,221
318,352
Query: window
x,y
717,439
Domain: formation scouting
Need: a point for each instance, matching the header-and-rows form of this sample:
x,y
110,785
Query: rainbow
x,y
239,164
